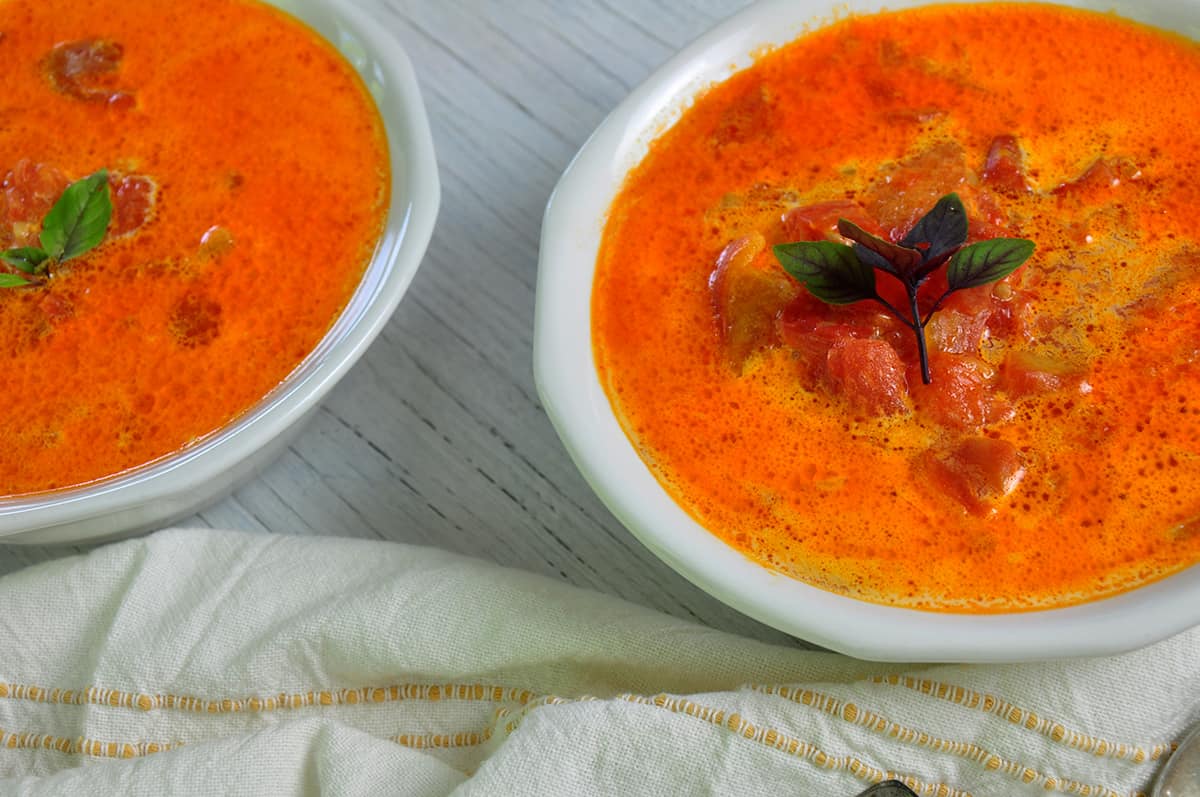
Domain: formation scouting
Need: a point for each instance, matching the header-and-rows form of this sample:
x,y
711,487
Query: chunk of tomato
x,y
86,70
986,220
1012,310
810,336
1099,180
957,332
133,199
1027,373
811,328
915,184
747,294
30,189
975,471
869,374
969,317
819,222
961,395
1004,169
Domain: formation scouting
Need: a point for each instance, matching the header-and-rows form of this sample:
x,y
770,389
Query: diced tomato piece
x,y
869,374
819,222
810,328
985,218
747,294
1099,180
956,332
30,189
915,184
969,301
809,336
133,198
965,319
1011,311
1003,309
961,395
1004,169
86,70
975,471
810,344
1027,373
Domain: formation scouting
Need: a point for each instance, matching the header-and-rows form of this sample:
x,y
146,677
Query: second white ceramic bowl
x,y
580,410
180,484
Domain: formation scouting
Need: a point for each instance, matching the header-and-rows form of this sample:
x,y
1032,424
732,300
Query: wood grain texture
x,y
437,436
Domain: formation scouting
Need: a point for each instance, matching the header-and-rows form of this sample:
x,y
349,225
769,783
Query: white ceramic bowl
x,y
180,484
580,410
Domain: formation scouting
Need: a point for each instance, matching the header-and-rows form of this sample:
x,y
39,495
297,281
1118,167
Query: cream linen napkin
x,y
200,662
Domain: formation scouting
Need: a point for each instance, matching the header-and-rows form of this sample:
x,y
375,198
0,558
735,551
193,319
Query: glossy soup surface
x,y
1055,457
249,176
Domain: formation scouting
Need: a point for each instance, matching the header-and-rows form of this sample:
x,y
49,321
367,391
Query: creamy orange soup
x,y
1055,457
248,170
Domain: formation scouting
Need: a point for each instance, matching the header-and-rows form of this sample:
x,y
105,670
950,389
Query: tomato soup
x,y
248,171
1054,457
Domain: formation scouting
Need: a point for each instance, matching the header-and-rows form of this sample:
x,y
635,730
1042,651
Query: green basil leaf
x,y
26,258
830,271
79,218
12,280
943,228
987,261
903,259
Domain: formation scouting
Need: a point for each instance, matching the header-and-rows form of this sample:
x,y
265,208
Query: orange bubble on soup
x,y
1055,456
249,177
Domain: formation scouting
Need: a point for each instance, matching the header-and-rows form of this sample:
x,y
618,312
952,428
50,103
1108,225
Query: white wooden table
x,y
437,436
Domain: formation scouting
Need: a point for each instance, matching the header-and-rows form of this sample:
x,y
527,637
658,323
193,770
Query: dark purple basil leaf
x,y
830,271
874,259
921,274
903,259
987,261
940,231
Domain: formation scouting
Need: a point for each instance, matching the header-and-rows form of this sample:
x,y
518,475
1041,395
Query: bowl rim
x,y
580,411
415,197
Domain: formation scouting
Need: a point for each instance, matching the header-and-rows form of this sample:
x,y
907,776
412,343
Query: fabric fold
x,y
201,662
